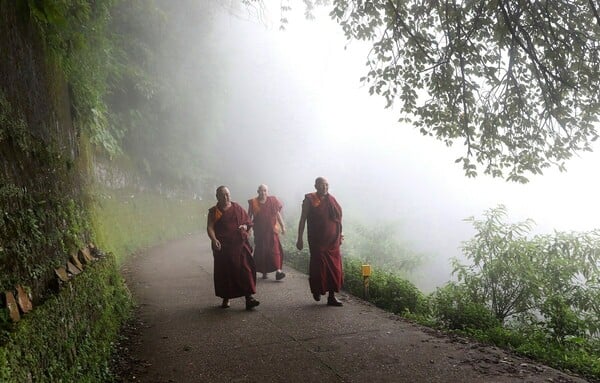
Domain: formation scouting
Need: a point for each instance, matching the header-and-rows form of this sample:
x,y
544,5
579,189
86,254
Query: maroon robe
x,y
324,223
268,252
234,272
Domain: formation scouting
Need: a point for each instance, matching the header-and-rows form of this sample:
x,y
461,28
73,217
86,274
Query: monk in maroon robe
x,y
265,212
324,217
234,270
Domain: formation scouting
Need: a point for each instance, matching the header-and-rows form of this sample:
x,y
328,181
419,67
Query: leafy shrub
x,y
386,290
576,354
561,321
455,309
499,336
552,276
353,280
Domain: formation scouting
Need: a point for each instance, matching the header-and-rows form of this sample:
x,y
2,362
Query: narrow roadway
x,y
181,335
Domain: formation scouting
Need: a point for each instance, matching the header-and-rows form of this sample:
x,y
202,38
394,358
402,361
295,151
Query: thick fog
x,y
295,110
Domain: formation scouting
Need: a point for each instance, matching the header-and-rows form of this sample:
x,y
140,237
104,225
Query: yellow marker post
x,y
366,273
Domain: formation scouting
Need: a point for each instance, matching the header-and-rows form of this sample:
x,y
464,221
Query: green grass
x,y
70,337
126,222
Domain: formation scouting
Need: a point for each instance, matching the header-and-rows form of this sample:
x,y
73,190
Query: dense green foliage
x,y
69,338
61,47
455,309
76,36
386,289
34,232
554,279
42,219
514,82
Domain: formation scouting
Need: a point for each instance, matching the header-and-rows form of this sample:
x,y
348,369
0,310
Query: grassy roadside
x,y
70,337
125,222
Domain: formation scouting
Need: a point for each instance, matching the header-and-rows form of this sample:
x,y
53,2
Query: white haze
x,y
296,110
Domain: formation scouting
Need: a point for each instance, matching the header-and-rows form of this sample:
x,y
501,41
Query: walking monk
x,y
265,212
324,217
234,272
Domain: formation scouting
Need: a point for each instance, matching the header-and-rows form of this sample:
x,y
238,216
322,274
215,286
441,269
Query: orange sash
x,y
218,213
314,199
255,206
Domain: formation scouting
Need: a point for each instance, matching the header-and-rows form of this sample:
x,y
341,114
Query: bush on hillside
x,y
455,310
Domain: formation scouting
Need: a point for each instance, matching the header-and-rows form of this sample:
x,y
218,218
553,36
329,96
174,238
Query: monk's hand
x,y
282,230
216,244
299,244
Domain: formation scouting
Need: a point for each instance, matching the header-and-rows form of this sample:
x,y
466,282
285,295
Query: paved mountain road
x,y
180,334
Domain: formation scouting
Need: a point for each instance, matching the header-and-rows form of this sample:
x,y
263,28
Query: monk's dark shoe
x,y
251,303
225,304
317,297
333,301
279,275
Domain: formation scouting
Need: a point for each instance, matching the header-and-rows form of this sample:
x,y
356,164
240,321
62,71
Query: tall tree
x,y
516,81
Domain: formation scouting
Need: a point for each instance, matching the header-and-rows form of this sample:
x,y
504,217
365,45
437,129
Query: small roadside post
x,y
366,273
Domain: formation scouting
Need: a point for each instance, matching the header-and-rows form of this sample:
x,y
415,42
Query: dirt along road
x,y
180,334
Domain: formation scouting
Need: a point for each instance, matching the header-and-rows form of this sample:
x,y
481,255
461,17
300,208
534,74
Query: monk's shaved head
x,y
262,187
220,189
322,185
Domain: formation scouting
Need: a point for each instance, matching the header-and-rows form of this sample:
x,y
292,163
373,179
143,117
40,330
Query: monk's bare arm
x,y
301,224
210,230
250,210
280,221
250,216
246,223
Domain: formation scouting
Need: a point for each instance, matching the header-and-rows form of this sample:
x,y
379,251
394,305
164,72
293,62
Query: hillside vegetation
x,y
76,98
535,295
100,153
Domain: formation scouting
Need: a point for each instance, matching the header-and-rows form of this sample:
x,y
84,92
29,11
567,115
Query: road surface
x,y
180,334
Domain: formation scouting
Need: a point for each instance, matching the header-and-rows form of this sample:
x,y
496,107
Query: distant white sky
x,y
315,51
304,82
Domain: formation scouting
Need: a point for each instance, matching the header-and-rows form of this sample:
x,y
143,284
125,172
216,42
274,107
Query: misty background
x,y
293,108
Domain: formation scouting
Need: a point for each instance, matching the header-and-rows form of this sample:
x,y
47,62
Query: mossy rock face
x,y
42,214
